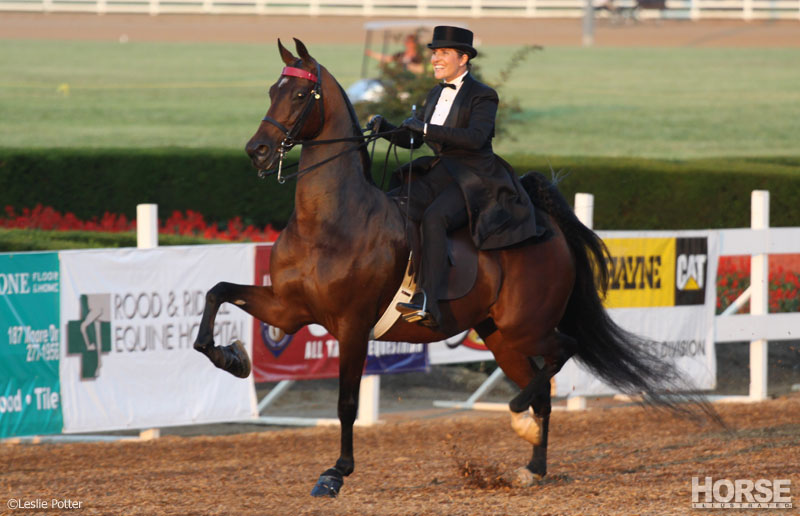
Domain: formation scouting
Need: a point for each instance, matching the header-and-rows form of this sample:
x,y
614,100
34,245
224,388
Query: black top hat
x,y
453,37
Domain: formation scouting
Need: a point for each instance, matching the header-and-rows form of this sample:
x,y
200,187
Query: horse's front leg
x,y
352,354
261,303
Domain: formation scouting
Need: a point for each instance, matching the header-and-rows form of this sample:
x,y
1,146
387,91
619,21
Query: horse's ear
x,y
287,56
303,53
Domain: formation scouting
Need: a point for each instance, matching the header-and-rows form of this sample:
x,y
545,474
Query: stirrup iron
x,y
420,314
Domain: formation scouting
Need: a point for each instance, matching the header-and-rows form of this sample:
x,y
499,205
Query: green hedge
x,y
221,184
18,240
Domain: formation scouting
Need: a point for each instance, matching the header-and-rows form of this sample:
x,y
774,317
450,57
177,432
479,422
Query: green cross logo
x,y
90,336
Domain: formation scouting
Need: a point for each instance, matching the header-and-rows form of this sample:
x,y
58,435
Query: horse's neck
x,y
331,191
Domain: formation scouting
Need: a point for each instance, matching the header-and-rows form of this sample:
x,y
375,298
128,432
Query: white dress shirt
x,y
445,102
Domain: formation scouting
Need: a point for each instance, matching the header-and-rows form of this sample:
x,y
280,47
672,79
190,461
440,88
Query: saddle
x,y
462,258
459,280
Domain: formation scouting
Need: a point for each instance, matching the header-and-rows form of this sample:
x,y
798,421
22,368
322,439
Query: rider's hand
x,y
375,123
413,124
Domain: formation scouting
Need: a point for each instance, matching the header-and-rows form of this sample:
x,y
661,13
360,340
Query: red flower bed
x,y
733,277
191,223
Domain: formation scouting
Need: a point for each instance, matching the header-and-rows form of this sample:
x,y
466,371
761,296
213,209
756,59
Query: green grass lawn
x,y
603,102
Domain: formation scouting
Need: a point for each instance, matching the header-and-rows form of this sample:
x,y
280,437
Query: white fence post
x,y
530,8
694,10
475,9
147,238
369,397
759,297
146,226
747,10
587,37
584,210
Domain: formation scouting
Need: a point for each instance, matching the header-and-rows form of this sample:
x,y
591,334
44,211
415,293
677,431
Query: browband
x,y
297,72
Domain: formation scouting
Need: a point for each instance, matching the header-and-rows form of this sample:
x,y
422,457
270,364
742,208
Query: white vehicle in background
x,y
383,40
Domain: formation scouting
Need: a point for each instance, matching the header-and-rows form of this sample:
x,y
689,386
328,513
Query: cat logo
x,y
690,272
656,271
691,266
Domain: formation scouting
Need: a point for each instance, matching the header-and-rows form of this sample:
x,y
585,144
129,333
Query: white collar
x,y
458,80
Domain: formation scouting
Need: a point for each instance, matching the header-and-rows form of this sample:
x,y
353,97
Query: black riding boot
x,y
446,213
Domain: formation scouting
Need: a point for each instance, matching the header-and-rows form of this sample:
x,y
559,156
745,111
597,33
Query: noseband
x,y
290,135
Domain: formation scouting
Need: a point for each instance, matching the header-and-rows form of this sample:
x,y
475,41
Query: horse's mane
x,y
356,126
365,159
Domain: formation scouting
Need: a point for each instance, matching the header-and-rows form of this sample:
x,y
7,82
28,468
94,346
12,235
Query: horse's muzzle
x,y
261,155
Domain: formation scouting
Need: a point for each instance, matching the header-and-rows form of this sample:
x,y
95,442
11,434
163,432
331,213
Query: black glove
x,y
375,123
413,124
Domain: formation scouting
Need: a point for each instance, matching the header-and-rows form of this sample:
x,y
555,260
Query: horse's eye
x,y
301,95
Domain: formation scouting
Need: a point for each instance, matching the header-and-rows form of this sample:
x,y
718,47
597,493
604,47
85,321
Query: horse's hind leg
x,y
259,302
534,379
537,395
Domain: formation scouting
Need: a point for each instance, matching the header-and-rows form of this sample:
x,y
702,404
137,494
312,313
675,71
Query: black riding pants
x,y
446,213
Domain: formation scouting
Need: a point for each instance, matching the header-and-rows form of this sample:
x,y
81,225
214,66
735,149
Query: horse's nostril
x,y
256,150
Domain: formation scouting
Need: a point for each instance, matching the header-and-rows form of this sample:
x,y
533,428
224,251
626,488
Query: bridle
x,y
290,135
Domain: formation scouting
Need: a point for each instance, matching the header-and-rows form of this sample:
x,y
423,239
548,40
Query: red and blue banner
x,y
313,353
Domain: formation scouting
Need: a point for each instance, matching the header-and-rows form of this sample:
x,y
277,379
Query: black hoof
x,y
237,361
328,485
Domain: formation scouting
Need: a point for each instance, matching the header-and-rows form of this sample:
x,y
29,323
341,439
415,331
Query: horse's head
x,y
295,111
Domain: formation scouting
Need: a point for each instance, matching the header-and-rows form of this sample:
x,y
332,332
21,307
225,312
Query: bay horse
x,y
343,255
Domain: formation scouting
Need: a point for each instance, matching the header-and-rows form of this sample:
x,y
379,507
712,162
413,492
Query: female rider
x,y
465,183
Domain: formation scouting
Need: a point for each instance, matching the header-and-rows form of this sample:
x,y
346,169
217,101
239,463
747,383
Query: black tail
x,y
619,357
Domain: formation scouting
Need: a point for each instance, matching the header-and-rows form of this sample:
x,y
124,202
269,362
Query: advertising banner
x,y
312,352
30,397
662,288
130,318
464,347
659,289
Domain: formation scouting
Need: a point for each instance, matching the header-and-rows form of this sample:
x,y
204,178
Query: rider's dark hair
x,y
469,59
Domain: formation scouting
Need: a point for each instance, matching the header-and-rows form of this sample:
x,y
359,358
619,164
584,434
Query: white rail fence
x,y
681,9
758,327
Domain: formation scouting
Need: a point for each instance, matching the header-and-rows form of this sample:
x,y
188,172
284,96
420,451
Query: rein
x,y
363,140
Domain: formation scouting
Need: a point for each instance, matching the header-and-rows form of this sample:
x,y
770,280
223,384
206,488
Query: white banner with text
x,y
129,319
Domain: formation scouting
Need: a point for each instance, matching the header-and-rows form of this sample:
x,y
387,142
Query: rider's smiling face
x,y
448,63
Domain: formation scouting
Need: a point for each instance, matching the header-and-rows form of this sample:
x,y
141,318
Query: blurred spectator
x,y
410,58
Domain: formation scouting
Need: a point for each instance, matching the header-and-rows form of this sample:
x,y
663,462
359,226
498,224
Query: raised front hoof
x,y
527,426
328,485
237,360
523,477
